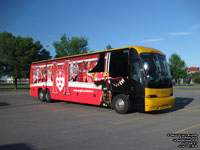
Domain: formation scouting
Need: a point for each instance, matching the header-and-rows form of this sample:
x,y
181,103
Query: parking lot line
x,y
188,128
191,108
129,120
63,109
98,113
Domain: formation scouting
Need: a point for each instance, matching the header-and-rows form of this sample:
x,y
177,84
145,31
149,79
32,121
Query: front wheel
x,y
121,104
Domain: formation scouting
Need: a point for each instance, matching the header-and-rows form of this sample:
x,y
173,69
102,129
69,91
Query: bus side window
x,y
119,64
136,73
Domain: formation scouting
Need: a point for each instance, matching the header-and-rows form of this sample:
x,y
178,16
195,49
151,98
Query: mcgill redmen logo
x,y
60,80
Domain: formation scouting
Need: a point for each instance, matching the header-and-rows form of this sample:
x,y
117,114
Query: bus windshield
x,y
157,70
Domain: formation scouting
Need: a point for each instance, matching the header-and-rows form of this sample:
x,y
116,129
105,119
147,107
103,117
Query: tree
x,y
178,68
18,53
67,46
108,46
2,70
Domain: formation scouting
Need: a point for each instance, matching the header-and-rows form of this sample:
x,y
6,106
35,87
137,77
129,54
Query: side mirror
x,y
146,66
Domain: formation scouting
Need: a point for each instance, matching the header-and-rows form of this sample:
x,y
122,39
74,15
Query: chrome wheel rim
x,y
120,104
41,95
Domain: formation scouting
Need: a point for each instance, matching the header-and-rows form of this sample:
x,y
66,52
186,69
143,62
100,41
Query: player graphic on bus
x,y
107,84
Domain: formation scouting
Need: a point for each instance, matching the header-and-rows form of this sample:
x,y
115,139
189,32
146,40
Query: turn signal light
x,y
151,96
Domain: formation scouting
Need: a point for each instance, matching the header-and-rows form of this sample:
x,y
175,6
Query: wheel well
x,y
47,89
114,94
117,93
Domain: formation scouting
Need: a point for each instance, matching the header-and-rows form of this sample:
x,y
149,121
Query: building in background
x,y
8,79
193,69
193,73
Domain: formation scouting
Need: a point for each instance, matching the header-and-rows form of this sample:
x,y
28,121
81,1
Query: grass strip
x,y
2,90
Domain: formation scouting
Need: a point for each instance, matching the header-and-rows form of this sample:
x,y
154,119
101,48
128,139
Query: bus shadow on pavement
x,y
18,146
180,103
4,104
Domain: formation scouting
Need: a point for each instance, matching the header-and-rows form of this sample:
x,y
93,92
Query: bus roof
x,y
139,49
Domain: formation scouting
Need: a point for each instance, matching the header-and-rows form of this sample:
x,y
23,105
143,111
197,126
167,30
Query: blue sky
x,y
172,26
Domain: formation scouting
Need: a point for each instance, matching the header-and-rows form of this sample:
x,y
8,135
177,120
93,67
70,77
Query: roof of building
x,y
194,69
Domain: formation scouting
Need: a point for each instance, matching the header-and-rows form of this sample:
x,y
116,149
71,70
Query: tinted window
x,y
119,63
135,71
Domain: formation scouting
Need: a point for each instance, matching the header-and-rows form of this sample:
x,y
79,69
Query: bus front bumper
x,y
152,104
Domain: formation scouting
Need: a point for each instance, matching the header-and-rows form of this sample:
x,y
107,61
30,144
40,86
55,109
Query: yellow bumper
x,y
152,104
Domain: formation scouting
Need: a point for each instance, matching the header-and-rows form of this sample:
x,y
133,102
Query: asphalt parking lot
x,y
28,124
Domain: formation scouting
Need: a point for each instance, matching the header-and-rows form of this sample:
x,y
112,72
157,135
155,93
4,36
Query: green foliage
x,y
68,47
18,53
196,77
2,70
178,68
109,46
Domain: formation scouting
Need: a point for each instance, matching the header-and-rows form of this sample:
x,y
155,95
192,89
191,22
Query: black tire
x,y
121,104
41,95
48,96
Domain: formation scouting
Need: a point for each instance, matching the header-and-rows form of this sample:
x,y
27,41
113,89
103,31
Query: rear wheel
x,y
48,96
41,95
121,104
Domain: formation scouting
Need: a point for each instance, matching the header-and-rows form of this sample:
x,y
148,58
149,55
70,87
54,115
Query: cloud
x,y
151,40
180,33
195,27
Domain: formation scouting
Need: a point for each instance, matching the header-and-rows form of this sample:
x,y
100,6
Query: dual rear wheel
x,y
44,95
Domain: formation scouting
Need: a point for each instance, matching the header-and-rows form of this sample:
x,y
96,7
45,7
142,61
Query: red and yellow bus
x,y
125,78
